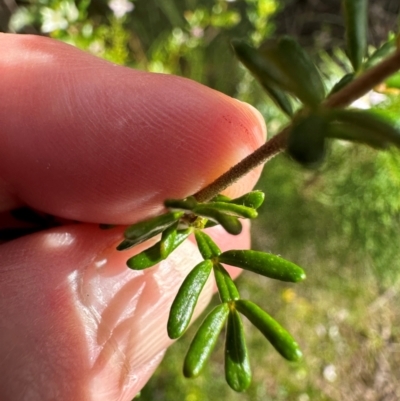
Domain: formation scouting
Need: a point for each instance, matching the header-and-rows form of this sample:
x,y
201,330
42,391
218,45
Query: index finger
x,y
88,140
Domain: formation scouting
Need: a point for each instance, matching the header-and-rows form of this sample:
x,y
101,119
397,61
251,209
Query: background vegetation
x,y
341,223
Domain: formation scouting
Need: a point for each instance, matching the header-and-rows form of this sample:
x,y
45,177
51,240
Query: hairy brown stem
x,y
354,90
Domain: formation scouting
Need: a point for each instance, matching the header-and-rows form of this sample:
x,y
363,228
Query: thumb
x,y
76,323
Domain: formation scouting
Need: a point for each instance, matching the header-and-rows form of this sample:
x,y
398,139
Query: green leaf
x,y
207,247
168,240
385,50
153,255
145,259
362,120
226,287
181,204
349,132
263,263
280,339
204,341
303,77
280,98
253,199
125,244
356,21
306,142
140,232
221,198
237,365
267,74
185,301
210,224
344,81
230,223
233,209
283,65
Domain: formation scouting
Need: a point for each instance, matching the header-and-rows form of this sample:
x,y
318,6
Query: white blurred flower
x,y
96,48
69,10
376,98
329,373
372,98
120,7
52,20
20,19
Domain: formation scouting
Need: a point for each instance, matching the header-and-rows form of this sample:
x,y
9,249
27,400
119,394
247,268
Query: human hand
x,y
88,141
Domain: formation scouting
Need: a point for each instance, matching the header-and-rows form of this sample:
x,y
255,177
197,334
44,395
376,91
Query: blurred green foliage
x,y
341,222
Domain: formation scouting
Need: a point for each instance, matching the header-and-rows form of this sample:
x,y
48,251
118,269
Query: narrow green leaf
x,y
185,301
253,199
204,341
210,224
280,339
153,255
181,204
125,244
304,79
168,240
266,73
237,365
344,81
230,223
181,236
365,120
226,287
140,232
207,247
263,263
233,209
356,21
221,198
349,132
384,51
306,142
280,98
148,258
284,65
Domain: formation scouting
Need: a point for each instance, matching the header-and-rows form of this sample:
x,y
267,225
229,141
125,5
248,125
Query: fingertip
x,y
87,140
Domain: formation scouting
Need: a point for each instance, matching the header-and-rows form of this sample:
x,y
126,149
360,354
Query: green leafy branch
x,y
285,71
351,87
188,216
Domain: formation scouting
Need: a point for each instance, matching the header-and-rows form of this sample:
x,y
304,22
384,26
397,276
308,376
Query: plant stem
x,y
354,90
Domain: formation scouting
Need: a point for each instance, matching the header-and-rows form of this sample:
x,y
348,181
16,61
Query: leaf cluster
x,y
187,216
286,72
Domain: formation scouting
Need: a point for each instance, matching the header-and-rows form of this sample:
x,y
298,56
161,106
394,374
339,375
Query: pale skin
x,y
92,142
